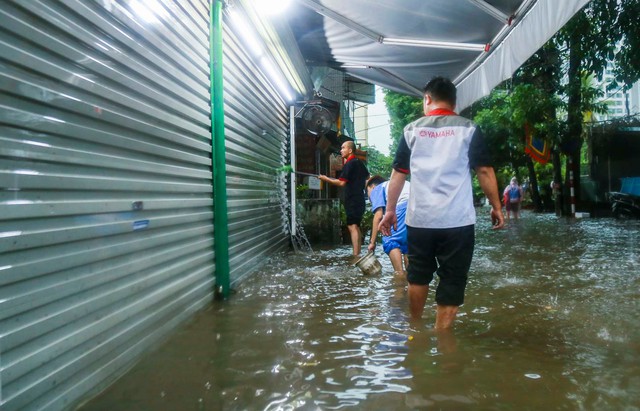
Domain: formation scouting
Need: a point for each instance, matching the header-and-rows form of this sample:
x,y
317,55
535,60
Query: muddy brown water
x,y
551,321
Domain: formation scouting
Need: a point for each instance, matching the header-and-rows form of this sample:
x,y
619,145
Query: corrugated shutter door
x,y
105,183
256,129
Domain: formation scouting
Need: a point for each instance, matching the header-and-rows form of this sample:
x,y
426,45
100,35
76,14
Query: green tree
x,y
627,60
605,33
494,119
378,163
403,110
504,119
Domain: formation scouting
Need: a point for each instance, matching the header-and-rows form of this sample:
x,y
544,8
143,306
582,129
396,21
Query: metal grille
x,y
256,132
105,189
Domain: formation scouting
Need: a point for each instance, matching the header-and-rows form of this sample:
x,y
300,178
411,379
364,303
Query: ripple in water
x,y
549,322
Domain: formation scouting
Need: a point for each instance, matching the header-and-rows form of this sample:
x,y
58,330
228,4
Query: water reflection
x,y
549,322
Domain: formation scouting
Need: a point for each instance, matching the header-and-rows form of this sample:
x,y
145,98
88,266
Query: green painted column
x,y
221,222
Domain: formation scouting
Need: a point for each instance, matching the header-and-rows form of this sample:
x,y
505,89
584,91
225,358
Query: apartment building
x,y
619,103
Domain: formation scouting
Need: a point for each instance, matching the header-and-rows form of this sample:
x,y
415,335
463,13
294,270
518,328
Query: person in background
x,y
353,178
512,195
394,245
439,150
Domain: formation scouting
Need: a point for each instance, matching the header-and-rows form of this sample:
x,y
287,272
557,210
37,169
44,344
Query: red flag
x,y
537,148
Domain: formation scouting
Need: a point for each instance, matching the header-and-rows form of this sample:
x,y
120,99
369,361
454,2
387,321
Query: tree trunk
x,y
557,182
573,143
533,185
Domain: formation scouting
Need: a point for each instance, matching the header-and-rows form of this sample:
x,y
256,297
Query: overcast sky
x,y
379,129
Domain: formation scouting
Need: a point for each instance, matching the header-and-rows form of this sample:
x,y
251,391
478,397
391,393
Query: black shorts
x,y
354,210
446,252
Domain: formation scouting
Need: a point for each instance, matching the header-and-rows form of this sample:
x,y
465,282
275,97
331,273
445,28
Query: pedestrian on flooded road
x,y
439,150
513,194
353,178
394,245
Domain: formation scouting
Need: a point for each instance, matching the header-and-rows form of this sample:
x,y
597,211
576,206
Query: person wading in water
x,y
439,150
353,178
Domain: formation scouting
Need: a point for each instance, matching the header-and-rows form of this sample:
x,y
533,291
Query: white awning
x,y
401,44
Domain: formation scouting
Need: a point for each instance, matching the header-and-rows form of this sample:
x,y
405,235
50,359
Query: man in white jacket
x,y
439,150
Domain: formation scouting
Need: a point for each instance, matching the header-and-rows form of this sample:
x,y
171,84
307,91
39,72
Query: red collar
x,y
351,157
441,112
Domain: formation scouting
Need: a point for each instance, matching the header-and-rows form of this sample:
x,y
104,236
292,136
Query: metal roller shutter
x,y
105,188
256,132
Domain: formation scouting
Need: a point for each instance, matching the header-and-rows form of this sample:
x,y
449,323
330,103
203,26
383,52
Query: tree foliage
x,y
606,33
553,90
556,89
506,113
402,110
494,120
602,35
627,60
378,163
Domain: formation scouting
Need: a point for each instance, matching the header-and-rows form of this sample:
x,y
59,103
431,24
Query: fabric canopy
x,y
401,44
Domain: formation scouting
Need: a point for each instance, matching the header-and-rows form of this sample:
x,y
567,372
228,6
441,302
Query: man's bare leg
x,y
395,256
356,237
446,340
445,315
417,299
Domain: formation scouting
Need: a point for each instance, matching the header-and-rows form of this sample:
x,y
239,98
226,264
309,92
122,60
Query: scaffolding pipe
x,y
292,161
218,157
571,188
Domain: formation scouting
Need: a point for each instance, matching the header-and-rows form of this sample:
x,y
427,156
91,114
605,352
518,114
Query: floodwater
x,y
551,321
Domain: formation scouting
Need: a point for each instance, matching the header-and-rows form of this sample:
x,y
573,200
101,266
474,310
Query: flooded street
x,y
550,322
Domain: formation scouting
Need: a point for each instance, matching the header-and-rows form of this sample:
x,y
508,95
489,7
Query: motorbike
x,y
624,205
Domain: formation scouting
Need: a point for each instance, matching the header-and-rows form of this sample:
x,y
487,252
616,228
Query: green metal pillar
x,y
221,223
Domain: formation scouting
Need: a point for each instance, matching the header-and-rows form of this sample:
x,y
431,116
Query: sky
x,y
379,129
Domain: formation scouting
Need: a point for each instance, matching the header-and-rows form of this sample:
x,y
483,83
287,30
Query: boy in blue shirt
x,y
394,245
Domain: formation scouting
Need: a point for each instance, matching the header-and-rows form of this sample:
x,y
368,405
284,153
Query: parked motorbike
x,y
624,205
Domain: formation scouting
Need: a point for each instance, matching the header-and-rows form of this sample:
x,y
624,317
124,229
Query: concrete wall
x,y
321,220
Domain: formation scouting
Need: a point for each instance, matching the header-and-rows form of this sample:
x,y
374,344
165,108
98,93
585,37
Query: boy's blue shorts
x,y
398,238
